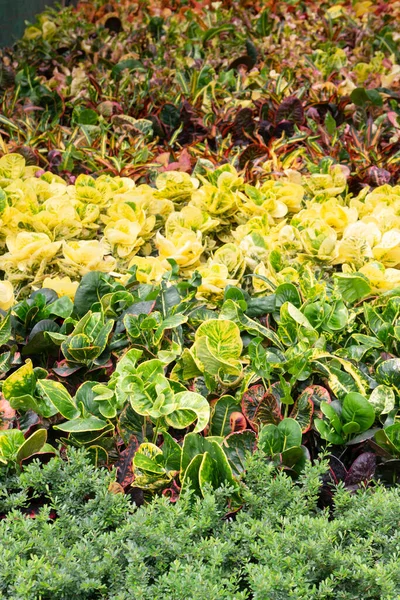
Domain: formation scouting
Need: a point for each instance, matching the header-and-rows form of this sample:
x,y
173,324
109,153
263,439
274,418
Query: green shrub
x,y
87,543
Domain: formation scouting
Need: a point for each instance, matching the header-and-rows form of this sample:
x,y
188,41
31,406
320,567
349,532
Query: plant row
x,y
114,87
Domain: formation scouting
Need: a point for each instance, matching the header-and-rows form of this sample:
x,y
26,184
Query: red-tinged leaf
x,y
377,176
125,474
361,471
251,400
259,406
393,118
337,469
243,126
302,411
182,164
172,492
163,158
291,109
317,394
237,421
337,472
269,410
64,370
116,488
7,413
251,153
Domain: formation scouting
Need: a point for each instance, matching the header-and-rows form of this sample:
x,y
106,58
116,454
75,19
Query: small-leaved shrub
x,y
65,535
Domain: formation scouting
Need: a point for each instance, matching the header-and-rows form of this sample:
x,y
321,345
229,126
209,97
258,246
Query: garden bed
x,y
200,297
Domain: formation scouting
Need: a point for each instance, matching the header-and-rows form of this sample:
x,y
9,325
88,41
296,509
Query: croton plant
x,y
200,241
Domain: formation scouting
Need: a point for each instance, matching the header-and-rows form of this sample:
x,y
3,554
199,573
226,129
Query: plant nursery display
x,y
200,297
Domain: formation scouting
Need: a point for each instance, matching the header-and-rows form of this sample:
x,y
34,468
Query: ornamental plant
x,y
199,246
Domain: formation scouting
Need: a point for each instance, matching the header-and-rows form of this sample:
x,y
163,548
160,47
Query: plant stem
x,y
155,434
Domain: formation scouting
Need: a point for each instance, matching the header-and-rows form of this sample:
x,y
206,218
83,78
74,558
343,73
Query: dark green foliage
x,y
87,543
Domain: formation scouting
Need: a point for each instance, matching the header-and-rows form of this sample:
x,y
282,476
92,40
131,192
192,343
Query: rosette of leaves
x,y
91,421
37,316
200,463
88,340
15,448
282,443
149,331
153,396
154,468
28,389
346,422
205,464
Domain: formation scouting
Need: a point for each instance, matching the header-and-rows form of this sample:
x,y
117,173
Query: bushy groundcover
x,y
65,535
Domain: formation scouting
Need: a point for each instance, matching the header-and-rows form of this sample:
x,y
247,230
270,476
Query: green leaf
x,y
269,440
5,329
357,409
81,425
232,311
388,438
290,433
360,381
169,323
172,453
327,433
220,415
145,458
39,342
352,286
287,292
361,96
223,338
131,424
193,444
191,475
59,396
211,364
215,31
338,318
85,400
62,307
20,383
189,402
130,63
140,400
388,373
92,288
330,123
85,116
237,446
332,416
10,442
382,399
208,474
32,445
